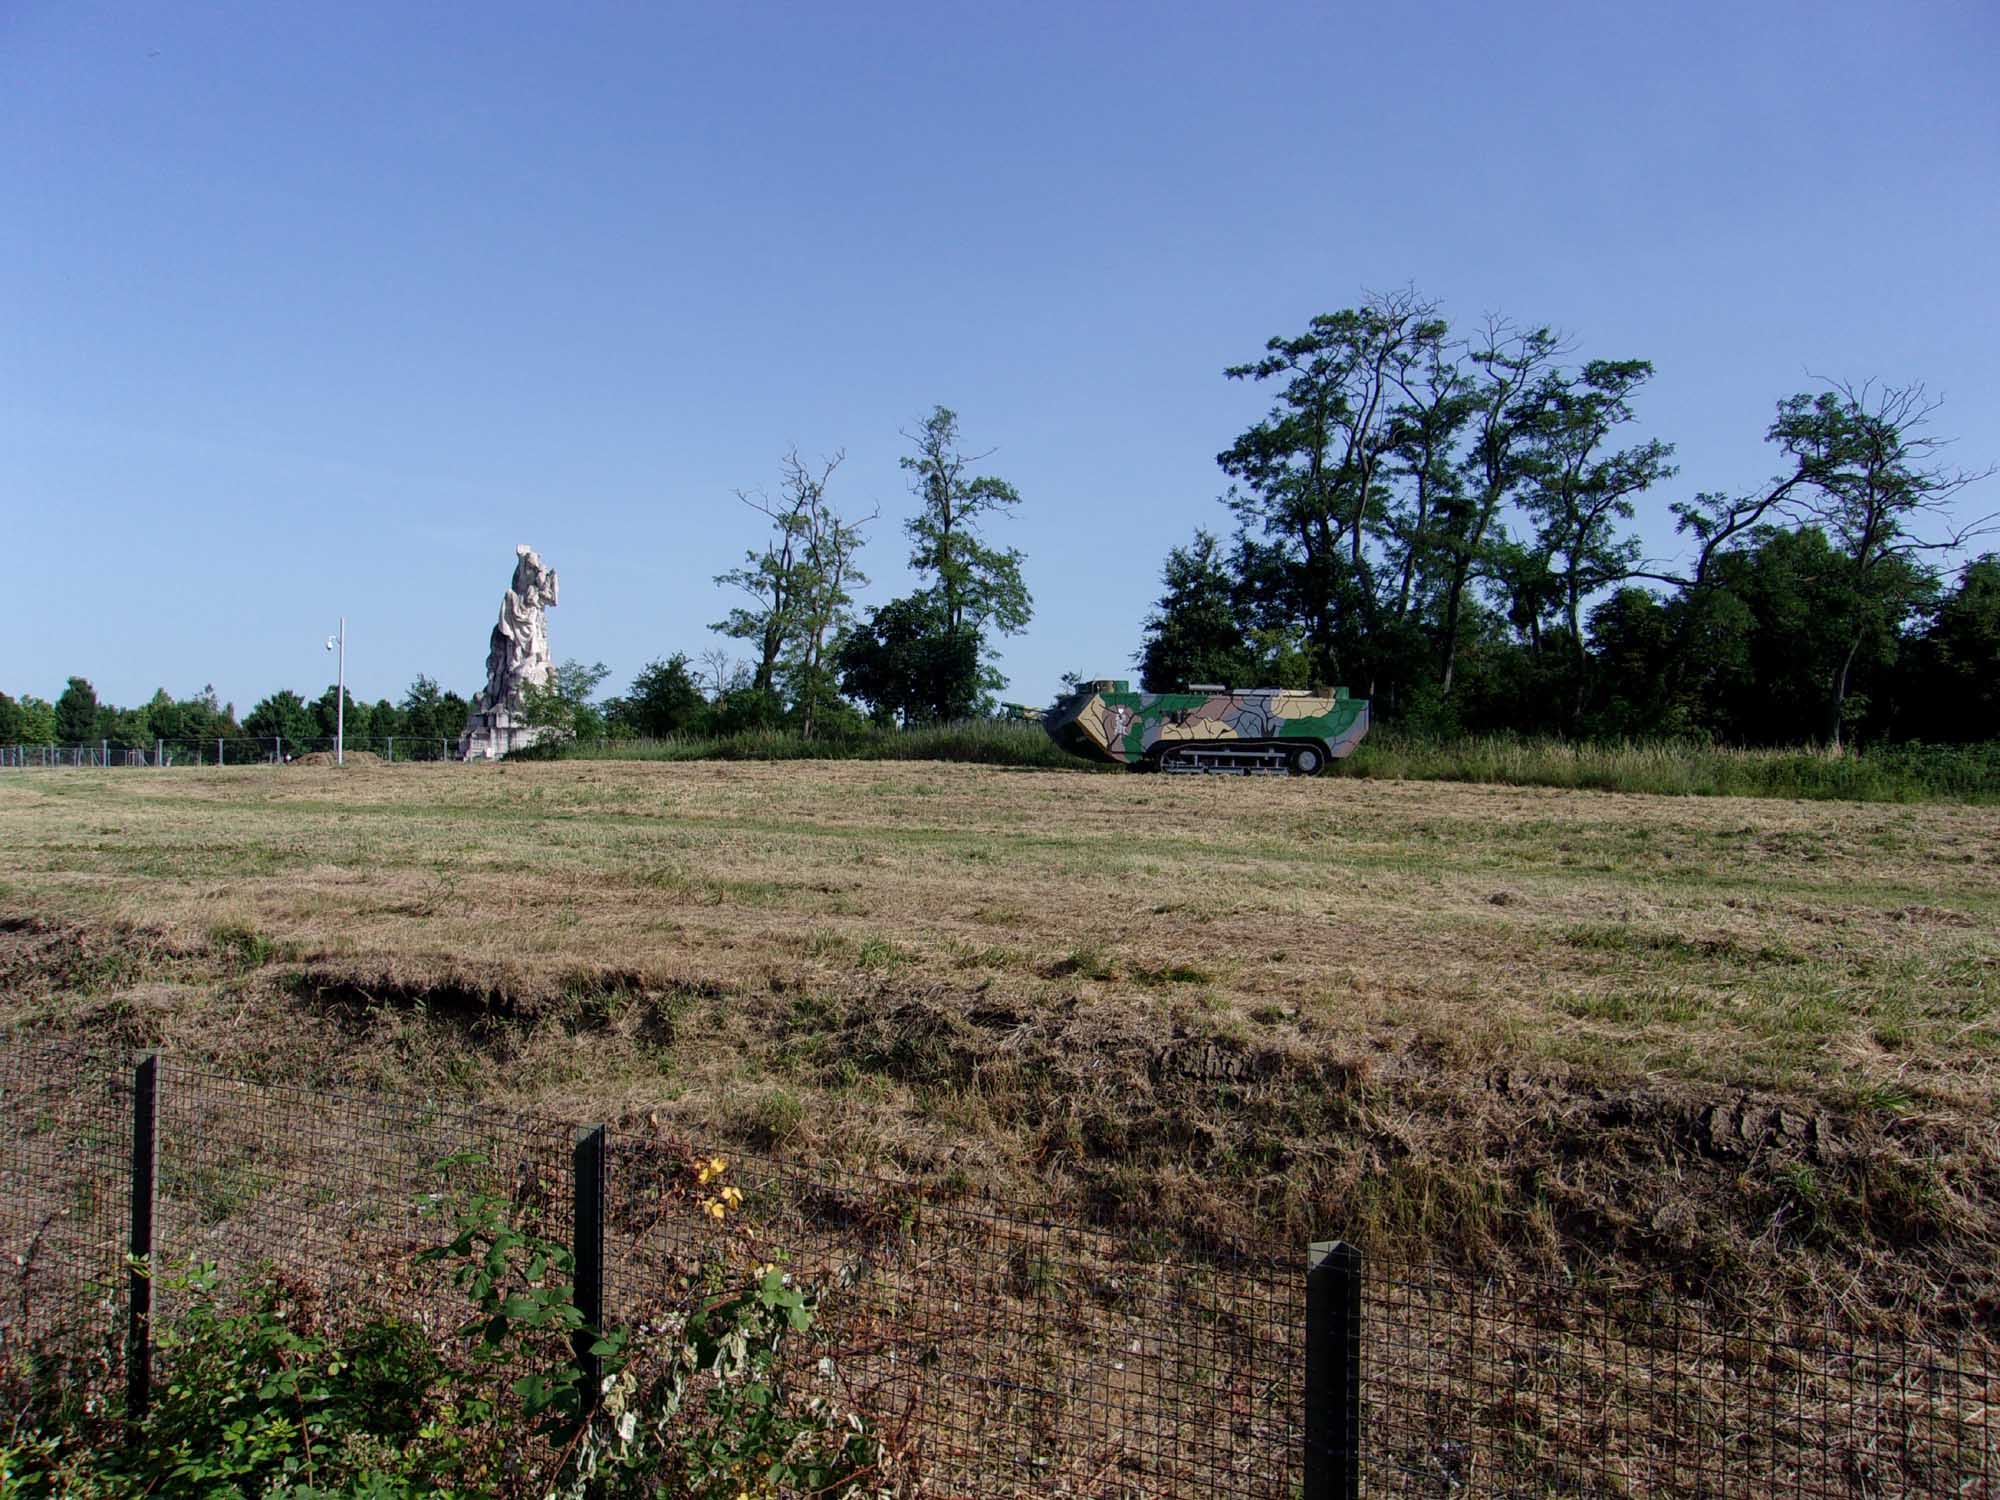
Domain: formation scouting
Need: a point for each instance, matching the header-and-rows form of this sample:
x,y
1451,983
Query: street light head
x,y
329,643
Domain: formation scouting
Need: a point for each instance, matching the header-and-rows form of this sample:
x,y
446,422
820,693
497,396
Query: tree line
x,y
76,717
1440,521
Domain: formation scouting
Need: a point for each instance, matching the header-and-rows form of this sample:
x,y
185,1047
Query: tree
x,y
283,715
451,715
12,722
976,586
1511,362
426,716
1631,639
1875,486
563,705
1784,619
357,724
1577,494
1194,633
76,713
773,577
1954,688
664,700
1309,476
908,664
38,720
800,588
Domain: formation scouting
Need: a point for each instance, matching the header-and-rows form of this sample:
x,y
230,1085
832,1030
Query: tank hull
x,y
1273,729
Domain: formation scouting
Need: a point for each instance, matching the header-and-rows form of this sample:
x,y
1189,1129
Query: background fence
x,y
1005,1350
238,750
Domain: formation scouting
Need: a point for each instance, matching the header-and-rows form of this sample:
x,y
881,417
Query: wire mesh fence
x,y
238,750
1000,1349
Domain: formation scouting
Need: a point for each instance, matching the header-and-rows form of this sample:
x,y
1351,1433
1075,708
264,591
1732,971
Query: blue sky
x,y
318,309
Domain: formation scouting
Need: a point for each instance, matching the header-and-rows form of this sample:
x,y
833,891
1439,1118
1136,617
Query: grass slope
x,y
1746,1044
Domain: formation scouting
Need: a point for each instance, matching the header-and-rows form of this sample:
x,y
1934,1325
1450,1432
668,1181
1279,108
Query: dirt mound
x,y
325,758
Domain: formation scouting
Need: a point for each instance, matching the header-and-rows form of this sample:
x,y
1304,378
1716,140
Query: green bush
x,y
263,1393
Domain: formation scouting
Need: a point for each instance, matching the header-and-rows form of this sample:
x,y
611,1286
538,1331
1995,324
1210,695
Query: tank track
x,y
1224,758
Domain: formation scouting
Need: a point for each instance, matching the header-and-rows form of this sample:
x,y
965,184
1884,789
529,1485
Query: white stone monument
x,y
517,656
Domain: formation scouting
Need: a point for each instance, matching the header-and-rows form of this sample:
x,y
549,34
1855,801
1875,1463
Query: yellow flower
x,y
717,1165
715,1208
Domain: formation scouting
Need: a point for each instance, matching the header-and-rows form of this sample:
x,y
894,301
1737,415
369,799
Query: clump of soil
x,y
325,758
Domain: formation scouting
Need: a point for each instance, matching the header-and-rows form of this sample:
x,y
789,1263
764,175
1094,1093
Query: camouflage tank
x,y
1209,729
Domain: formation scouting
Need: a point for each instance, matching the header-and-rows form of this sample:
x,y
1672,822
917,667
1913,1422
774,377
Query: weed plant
x,y
264,1393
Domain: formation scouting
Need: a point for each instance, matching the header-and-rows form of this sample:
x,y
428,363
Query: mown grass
x,y
1461,1017
1674,768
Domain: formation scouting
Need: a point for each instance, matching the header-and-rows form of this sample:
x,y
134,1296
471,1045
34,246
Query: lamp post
x,y
340,695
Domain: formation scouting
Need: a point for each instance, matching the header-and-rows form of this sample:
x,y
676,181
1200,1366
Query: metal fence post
x,y
392,749
218,749
145,1160
588,1202
1333,1372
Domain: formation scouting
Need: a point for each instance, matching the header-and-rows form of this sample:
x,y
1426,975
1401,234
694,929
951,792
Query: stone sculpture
x,y
516,657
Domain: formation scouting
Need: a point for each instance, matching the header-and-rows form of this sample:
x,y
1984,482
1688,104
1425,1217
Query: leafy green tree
x,y
1876,489
282,715
12,722
773,577
1194,633
1577,493
385,720
973,585
1311,476
328,720
799,587
1805,624
976,586
125,728
38,720
202,717
1501,413
450,717
664,700
76,713
426,714
1631,644
1953,691
909,666
563,704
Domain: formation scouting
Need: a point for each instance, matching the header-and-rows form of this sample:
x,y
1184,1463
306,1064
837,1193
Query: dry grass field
x,y
1747,1044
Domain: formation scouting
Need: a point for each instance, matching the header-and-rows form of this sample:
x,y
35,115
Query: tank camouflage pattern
x,y
1215,730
